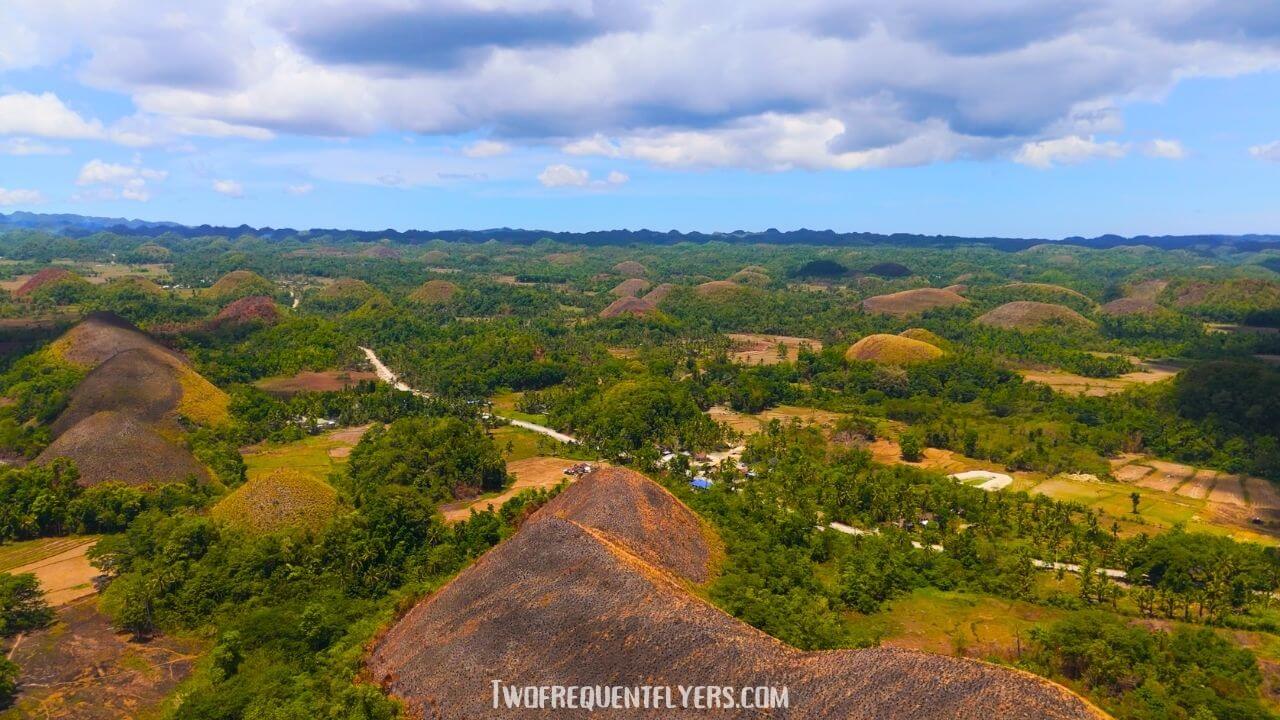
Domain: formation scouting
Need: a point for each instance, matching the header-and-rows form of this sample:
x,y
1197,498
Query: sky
x,y
1020,118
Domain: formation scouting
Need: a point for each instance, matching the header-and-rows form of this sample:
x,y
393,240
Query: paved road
x,y
385,374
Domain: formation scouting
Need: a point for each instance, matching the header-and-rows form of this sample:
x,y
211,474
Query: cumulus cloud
x,y
26,146
486,149
1267,151
1165,149
813,84
230,188
44,115
18,196
110,181
561,175
1070,150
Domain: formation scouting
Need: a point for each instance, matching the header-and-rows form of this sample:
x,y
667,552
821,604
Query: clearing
x,y
533,472
60,564
317,456
1064,382
752,349
324,381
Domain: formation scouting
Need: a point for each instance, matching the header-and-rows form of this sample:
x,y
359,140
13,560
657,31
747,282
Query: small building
x,y
700,482
578,469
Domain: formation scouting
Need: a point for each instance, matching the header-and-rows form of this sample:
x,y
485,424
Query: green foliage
x,y
1138,673
22,604
443,458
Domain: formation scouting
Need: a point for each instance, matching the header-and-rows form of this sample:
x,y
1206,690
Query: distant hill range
x,y
81,225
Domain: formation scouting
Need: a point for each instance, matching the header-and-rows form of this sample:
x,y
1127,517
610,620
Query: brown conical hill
x,y
1030,315
631,268
148,384
433,292
658,294
347,288
593,590
627,306
1131,306
892,350
753,278
911,302
248,309
926,336
136,283
116,446
631,287
43,278
98,337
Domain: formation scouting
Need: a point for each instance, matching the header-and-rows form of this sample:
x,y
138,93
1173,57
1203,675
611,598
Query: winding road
x,y
385,374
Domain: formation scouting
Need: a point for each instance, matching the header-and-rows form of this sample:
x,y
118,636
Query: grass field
x,y
504,404
317,456
60,565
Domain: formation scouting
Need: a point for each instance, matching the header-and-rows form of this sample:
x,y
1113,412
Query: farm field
x,y
1065,382
323,381
61,565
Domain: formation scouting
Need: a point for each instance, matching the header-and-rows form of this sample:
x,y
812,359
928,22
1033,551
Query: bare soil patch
x,y
535,472
64,575
1071,384
81,669
753,349
323,381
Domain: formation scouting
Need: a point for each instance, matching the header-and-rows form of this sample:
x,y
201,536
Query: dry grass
x,y
926,336
1029,315
62,569
911,302
347,289
280,500
892,350
434,257
1072,384
43,278
660,293
601,578
434,292
753,349
752,277
137,282
251,308
1148,289
1043,288
721,290
99,337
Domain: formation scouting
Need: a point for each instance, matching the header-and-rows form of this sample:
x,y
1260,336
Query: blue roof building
x,y
700,482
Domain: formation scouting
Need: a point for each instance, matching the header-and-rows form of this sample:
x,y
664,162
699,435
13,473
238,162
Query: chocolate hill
x,y
631,287
44,278
124,420
248,309
911,302
628,306
1029,315
594,590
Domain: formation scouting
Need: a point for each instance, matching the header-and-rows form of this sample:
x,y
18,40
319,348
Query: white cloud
x,y
617,178
486,149
561,175
27,146
19,196
44,115
230,188
1166,149
110,181
814,84
1069,150
1267,151
300,189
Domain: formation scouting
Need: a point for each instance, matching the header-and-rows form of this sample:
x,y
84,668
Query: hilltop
x,y
1030,315
911,302
603,586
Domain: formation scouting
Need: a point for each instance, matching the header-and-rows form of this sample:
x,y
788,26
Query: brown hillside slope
x,y
98,337
148,384
251,308
286,498
114,446
631,268
911,302
1029,315
434,291
627,306
592,591
660,293
1130,306
47,276
631,287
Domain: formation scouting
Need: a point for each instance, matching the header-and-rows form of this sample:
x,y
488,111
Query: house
x,y
700,482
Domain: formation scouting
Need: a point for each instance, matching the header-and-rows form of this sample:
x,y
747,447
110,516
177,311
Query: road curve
x,y
385,374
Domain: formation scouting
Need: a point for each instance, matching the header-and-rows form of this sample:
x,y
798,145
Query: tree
x,y
1135,497
912,447
22,605
443,457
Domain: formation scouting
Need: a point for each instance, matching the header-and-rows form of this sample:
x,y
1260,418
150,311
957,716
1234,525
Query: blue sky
x,y
994,117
